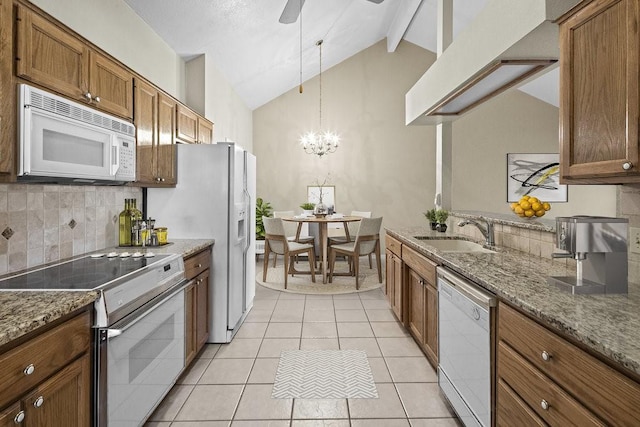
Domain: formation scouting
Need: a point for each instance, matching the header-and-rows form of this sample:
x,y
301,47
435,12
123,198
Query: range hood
x,y
507,44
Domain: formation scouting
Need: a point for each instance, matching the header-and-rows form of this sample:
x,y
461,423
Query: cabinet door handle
x,y
627,165
88,96
161,179
158,179
38,402
29,369
19,418
96,98
198,265
545,405
545,356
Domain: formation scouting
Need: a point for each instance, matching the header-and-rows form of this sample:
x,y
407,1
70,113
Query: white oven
x,y
63,141
139,359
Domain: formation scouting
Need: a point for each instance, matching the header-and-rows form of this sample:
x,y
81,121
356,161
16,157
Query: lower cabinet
x,y
545,380
197,303
46,381
422,301
394,284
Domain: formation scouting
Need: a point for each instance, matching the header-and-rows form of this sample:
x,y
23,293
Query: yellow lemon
x,y
525,204
533,200
514,205
524,198
518,210
536,206
546,206
529,213
540,212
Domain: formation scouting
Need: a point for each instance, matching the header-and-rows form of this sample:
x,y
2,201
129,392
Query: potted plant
x,y
262,209
307,208
441,217
431,217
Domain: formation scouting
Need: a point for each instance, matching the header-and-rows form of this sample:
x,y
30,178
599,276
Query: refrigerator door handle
x,y
247,221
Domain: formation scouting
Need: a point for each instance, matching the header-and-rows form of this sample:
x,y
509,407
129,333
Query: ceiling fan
x,y
293,7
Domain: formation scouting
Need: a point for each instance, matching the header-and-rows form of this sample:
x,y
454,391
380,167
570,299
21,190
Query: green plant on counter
x,y
308,206
430,215
441,216
262,209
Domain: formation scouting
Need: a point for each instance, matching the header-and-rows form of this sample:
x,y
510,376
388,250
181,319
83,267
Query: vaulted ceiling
x,y
261,57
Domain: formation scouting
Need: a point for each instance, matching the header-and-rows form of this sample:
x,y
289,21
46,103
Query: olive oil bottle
x,y
124,222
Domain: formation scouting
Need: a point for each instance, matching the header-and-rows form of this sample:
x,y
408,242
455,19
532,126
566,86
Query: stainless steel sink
x,y
454,245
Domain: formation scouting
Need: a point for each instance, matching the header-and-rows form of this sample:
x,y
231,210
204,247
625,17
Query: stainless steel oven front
x,y
139,359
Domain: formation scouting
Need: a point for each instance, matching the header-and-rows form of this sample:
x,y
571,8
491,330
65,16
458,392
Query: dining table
x,y
323,223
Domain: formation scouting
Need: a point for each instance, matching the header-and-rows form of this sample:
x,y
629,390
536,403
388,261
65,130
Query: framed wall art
x,y
328,193
535,174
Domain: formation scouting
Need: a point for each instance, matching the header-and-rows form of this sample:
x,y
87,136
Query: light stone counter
x,y
23,312
607,324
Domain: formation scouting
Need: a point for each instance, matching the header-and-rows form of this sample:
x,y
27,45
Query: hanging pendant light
x,y
321,142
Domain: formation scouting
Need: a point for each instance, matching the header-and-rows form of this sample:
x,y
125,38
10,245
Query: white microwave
x,y
66,142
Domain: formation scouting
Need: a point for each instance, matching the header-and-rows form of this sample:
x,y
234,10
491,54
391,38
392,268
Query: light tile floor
x,y
230,385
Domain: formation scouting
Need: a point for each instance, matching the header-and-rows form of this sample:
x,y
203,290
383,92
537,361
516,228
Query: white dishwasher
x,y
465,316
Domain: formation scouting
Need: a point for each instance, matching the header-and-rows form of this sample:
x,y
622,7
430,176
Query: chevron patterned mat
x,y
324,374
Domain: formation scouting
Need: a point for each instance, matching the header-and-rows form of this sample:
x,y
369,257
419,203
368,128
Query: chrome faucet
x,y
486,230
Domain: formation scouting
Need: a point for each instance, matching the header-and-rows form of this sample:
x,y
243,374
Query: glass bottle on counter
x,y
124,223
136,222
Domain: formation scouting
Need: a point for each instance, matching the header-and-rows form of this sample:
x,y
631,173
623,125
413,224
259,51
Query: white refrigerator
x,y
215,199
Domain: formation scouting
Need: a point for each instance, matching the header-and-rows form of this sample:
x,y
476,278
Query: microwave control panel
x,y
127,169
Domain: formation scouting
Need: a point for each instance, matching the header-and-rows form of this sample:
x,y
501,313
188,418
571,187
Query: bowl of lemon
x,y
530,207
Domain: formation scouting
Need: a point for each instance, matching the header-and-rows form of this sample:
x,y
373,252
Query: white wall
x,y
114,27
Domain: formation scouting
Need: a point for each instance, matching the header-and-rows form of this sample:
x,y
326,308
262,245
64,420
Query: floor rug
x,y
324,374
302,284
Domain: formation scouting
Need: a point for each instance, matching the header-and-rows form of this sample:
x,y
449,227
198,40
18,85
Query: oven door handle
x,y
124,325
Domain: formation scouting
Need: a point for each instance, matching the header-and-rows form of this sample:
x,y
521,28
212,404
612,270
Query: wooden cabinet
x,y
47,380
205,131
543,375
52,57
197,302
156,153
422,301
600,93
192,128
8,96
393,283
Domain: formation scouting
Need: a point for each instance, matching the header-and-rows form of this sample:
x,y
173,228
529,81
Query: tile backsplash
x,y
45,223
629,207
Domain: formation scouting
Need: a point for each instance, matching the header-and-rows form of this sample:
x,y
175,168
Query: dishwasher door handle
x,y
468,289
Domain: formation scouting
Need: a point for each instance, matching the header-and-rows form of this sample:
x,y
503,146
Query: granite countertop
x,y
607,324
23,312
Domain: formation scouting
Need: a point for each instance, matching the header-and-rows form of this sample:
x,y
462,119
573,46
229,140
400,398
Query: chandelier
x,y
322,142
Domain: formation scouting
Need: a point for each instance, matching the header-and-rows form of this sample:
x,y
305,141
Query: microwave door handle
x,y
115,156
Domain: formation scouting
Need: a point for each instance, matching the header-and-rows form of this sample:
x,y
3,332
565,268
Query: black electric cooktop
x,y
79,275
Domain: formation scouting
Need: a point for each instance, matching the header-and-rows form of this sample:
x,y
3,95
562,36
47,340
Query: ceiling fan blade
x,y
291,11
376,1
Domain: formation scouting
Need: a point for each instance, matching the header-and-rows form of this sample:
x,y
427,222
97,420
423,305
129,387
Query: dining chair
x,y
353,230
291,228
276,241
367,241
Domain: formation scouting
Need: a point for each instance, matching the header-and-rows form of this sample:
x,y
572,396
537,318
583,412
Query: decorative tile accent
x,y
72,223
7,233
324,374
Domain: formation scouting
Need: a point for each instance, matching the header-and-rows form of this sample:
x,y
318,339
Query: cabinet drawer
x,y
48,353
197,263
394,245
536,390
612,396
511,410
420,264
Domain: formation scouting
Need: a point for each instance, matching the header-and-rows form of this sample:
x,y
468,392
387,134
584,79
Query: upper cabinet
x,y
600,94
155,121
56,59
192,128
